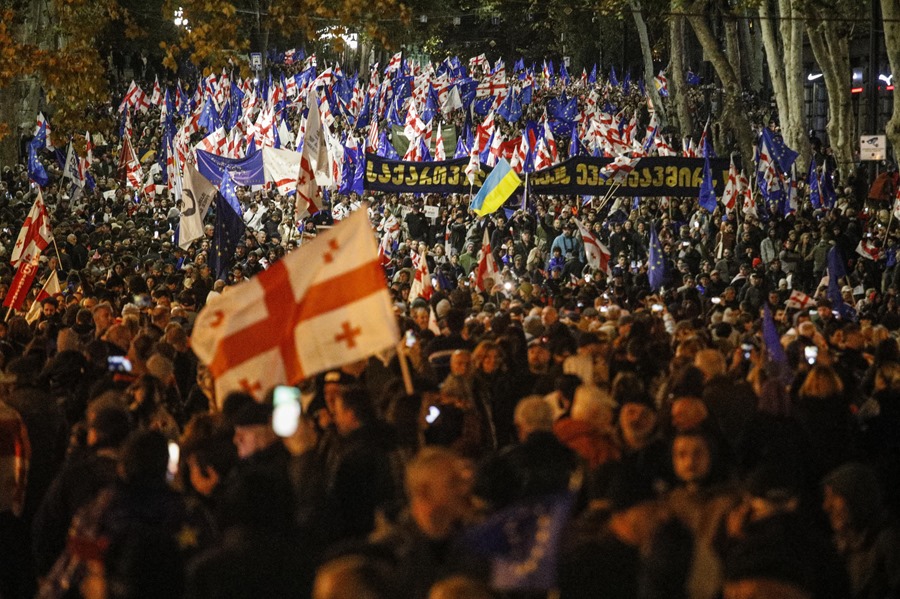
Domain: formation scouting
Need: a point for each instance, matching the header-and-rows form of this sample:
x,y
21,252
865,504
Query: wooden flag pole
x,y
404,368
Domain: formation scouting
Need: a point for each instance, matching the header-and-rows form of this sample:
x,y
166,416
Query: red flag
x,y
35,234
487,267
20,285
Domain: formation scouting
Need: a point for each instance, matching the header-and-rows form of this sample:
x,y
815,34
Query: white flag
x,y
322,306
198,194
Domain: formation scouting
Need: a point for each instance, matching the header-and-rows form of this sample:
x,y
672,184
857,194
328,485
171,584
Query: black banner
x,y
395,176
655,176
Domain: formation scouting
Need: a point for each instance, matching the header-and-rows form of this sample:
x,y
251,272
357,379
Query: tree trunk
x,y
647,55
676,75
734,114
773,58
832,53
19,100
890,14
733,46
792,37
751,48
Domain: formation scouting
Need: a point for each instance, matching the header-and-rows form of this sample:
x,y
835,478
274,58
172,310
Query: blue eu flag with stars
x,y
522,542
657,266
229,229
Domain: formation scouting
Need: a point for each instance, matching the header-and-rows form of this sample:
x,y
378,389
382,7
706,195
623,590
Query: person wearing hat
x,y
255,440
569,244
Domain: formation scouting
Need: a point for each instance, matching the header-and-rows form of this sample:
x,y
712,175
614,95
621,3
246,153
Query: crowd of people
x,y
689,464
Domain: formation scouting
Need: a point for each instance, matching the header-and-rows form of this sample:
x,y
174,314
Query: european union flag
x,y
592,78
563,108
626,83
525,96
209,116
385,148
464,143
707,192
430,108
783,156
36,170
229,229
826,185
837,271
575,144
511,109
483,107
656,272
775,358
813,180
40,138
612,77
564,73
519,65
522,543
692,78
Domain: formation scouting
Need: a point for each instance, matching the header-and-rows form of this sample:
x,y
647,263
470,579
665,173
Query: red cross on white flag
x,y
322,306
35,234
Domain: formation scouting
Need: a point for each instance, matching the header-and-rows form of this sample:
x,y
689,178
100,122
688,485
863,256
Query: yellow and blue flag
x,y
497,188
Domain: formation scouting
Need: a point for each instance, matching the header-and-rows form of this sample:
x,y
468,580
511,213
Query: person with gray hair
x,y
538,465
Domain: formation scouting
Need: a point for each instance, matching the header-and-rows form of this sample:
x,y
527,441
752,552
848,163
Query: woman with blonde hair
x,y
824,413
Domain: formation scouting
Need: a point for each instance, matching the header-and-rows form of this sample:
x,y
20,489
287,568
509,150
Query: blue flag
x,y
511,109
775,358
464,143
836,271
575,144
229,228
519,65
564,73
656,272
592,78
813,181
826,187
385,148
36,170
522,542
783,156
209,116
707,191
40,138
692,78
612,77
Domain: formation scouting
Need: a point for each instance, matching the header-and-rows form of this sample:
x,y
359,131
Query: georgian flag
x,y
322,306
598,255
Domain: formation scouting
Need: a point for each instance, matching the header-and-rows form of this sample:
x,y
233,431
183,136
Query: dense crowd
x,y
689,463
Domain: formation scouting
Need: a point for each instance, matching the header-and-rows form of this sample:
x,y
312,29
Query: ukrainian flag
x,y
497,188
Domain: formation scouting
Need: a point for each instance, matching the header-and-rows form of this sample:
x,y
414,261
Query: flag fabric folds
x,y
229,228
597,254
497,188
198,195
35,234
656,271
320,307
521,543
487,266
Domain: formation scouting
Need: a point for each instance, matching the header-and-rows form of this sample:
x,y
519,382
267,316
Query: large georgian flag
x,y
322,306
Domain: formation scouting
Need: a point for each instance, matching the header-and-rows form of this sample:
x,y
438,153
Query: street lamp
x,y
180,20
